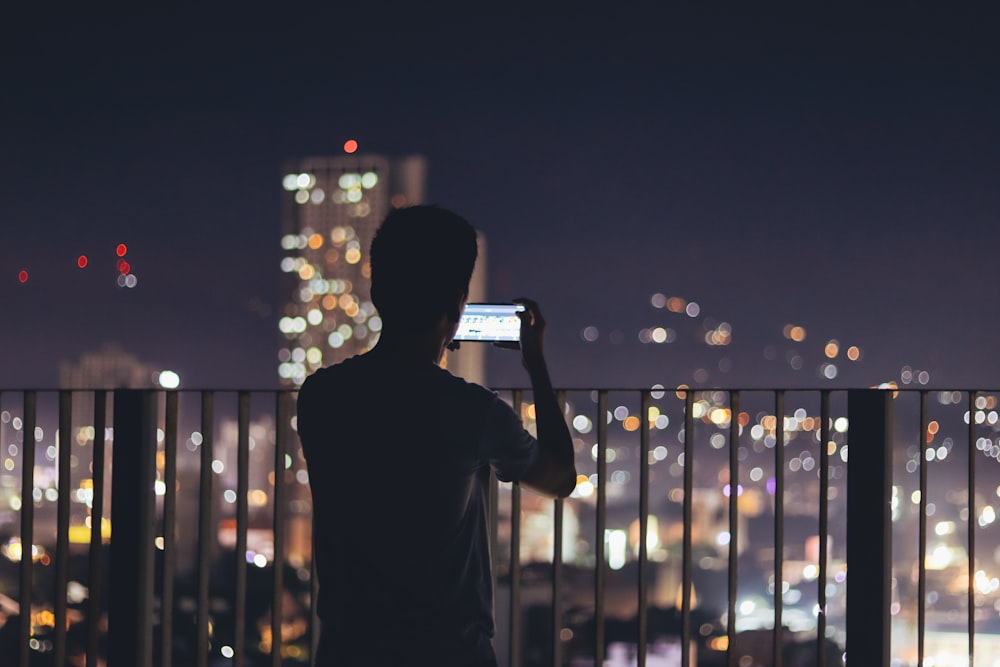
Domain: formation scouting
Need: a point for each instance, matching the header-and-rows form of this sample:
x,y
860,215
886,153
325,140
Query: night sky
x,y
832,170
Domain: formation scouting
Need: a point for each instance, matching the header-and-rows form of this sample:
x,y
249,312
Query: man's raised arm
x,y
553,471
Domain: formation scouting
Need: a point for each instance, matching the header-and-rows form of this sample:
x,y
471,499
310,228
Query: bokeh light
x,y
169,379
794,332
350,146
82,261
22,277
121,250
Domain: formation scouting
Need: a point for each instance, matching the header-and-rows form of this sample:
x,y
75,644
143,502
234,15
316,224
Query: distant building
x,y
332,207
111,367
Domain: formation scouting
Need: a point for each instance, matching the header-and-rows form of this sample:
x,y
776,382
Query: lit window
x,y
348,181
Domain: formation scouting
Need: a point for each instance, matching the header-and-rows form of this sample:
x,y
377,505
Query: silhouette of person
x,y
399,453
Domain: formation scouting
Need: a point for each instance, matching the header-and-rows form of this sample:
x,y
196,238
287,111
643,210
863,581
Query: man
x,y
399,454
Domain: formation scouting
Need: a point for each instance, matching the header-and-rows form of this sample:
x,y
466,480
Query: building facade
x,y
331,209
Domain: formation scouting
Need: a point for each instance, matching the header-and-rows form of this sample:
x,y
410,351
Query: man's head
x,y
422,259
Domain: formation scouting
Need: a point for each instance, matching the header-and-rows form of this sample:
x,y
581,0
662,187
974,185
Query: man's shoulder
x,y
460,385
324,376
325,384
355,372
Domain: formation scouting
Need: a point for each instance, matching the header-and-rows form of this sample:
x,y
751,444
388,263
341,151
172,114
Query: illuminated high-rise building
x,y
332,208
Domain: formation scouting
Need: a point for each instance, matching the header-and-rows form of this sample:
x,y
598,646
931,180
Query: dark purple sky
x,y
837,171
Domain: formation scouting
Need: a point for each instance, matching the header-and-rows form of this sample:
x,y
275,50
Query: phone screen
x,y
490,322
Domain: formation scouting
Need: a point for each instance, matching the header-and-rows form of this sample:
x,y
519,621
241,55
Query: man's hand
x,y
532,334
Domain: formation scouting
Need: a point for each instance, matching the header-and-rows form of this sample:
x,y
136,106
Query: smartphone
x,y
490,322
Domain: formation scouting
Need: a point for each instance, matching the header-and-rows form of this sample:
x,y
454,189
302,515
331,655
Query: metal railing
x,y
732,456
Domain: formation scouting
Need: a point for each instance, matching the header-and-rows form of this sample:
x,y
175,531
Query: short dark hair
x,y
422,259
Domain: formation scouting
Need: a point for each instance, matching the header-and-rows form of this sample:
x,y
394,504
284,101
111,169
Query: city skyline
x,y
813,170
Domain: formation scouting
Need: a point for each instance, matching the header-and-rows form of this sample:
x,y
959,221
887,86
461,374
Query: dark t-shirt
x,y
399,457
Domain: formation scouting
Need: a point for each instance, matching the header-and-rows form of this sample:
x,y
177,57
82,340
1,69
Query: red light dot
x,y
124,267
121,250
82,261
350,146
22,276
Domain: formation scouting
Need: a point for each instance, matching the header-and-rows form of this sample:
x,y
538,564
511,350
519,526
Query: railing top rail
x,y
696,389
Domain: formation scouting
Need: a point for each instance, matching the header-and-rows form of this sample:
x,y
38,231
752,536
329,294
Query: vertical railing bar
x,y
131,559
686,565
643,615
779,523
25,593
557,562
494,519
95,581
734,486
242,523
277,593
557,575
169,528
922,523
515,559
869,526
601,521
62,524
314,624
205,526
972,526
824,525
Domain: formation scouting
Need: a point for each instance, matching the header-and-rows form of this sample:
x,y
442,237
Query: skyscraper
x,y
332,207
